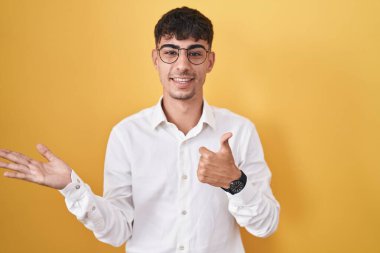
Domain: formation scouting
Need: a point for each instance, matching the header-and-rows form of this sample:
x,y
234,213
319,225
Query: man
x,y
179,176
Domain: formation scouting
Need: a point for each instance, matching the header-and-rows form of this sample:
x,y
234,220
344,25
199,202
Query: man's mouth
x,y
181,80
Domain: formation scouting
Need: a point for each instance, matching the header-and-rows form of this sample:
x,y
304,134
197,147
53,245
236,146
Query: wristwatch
x,y
238,185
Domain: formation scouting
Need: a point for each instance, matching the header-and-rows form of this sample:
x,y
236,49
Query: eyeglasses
x,y
196,54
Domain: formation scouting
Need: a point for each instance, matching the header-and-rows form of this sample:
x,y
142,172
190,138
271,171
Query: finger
x,y
204,178
211,181
224,145
15,157
45,152
19,175
5,150
210,170
15,167
12,174
206,153
30,160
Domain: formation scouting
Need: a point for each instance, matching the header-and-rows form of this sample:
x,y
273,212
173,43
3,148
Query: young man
x,y
179,176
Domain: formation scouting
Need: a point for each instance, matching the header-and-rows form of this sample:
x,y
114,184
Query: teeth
x,y
181,80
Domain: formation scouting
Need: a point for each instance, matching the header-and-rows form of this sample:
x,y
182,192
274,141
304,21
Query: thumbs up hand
x,y
218,169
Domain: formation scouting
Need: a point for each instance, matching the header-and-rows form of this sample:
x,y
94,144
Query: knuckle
x,y
206,163
20,175
23,168
203,160
11,156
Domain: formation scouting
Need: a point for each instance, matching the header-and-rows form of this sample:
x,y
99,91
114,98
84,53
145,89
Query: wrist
x,y
66,180
236,174
237,185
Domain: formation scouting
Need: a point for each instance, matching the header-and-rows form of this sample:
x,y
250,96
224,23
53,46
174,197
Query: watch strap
x,y
238,185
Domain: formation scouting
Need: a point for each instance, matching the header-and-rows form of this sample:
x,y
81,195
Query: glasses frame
x,y
179,51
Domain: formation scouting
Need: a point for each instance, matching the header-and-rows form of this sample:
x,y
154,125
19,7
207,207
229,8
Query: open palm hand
x,y
54,173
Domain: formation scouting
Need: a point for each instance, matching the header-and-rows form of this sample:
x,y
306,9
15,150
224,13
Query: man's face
x,y
182,80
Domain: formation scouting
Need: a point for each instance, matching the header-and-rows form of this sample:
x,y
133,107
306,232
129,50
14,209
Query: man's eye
x,y
196,53
170,52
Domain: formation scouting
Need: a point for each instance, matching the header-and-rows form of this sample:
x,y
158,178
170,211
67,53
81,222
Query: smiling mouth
x,y
182,80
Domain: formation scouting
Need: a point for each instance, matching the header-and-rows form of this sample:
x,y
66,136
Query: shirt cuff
x,y
75,185
245,196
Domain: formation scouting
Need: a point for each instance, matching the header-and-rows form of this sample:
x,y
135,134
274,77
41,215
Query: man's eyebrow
x,y
170,45
196,46
178,47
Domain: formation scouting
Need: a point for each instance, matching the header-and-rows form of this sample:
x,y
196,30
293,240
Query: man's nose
x,y
182,61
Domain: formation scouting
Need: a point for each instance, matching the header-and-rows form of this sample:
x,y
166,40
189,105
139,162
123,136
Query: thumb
x,y
45,152
205,152
224,146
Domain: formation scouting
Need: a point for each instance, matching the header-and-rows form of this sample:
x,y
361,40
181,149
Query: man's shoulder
x,y
224,115
139,119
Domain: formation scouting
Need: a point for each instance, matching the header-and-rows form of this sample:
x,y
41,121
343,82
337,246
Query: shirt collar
x,y
208,116
158,115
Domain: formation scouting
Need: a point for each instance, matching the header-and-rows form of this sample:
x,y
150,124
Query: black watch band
x,y
238,185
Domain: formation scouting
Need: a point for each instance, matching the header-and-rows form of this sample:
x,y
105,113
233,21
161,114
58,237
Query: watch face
x,y
236,186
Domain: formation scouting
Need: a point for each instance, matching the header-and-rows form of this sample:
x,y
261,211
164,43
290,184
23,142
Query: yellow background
x,y
305,72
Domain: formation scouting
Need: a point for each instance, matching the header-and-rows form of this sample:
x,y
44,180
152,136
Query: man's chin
x,y
182,96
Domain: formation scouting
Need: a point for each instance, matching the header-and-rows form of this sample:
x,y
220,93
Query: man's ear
x,y
154,58
210,61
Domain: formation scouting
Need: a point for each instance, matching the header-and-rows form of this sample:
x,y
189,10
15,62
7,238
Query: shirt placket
x,y
183,211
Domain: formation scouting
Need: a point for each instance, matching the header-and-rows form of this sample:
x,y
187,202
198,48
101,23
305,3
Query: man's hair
x,y
183,23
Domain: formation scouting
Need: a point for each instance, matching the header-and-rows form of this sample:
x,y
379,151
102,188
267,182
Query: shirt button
x,y
184,177
181,247
77,186
93,208
184,212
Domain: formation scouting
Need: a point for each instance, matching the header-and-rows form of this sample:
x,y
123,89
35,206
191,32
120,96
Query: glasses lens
x,y
197,55
168,55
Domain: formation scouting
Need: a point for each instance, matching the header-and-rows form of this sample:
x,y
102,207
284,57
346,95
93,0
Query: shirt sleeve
x,y
255,207
110,217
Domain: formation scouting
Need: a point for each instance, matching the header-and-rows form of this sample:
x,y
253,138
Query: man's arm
x,y
255,207
109,217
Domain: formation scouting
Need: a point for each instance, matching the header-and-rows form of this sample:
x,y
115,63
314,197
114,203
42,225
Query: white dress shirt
x,y
153,198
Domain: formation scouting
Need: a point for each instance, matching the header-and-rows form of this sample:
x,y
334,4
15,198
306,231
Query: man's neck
x,y
185,114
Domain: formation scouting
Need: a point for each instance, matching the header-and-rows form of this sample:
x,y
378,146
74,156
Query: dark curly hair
x,y
184,23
